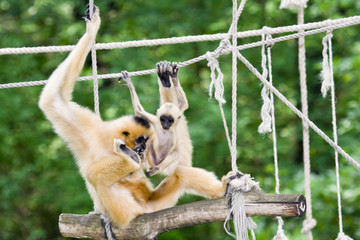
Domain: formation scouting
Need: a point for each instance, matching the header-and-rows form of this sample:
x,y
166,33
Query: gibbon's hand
x,y
126,78
174,68
92,22
87,12
152,171
119,146
163,71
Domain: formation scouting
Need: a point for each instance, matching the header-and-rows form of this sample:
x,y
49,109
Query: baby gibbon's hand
x,y
126,78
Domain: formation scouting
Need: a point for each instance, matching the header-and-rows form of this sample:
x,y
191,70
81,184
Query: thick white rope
x,y
328,82
94,66
298,112
177,40
270,120
265,126
107,227
233,28
241,183
309,222
293,3
197,59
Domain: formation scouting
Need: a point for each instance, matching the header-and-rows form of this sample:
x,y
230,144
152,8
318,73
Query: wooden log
x,y
149,226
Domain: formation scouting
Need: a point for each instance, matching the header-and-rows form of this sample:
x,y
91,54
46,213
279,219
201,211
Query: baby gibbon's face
x,y
136,133
168,115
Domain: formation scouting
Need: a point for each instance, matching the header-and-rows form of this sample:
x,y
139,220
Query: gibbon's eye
x,y
125,133
171,119
162,118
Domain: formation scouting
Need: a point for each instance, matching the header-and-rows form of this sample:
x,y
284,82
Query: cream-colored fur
x,y
170,150
106,152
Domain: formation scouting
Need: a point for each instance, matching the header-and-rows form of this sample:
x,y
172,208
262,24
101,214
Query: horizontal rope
x,y
342,24
176,40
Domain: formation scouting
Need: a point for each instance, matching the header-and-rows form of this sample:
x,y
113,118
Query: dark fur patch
x,y
142,121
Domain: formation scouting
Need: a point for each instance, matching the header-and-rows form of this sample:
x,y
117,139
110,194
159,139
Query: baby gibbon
x,y
171,144
109,153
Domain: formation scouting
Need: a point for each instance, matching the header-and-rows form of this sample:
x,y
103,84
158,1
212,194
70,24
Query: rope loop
x,y
326,71
213,63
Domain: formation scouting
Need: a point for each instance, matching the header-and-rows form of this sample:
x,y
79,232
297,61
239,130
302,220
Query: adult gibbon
x,y
109,153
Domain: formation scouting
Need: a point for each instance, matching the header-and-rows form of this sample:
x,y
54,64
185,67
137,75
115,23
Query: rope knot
x,y
239,184
242,182
308,225
326,71
268,37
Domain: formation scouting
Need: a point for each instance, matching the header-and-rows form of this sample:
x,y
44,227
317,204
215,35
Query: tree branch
x,y
149,226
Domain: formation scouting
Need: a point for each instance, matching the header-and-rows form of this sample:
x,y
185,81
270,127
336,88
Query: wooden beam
x,y
149,226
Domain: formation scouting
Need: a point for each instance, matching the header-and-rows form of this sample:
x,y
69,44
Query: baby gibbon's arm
x,y
138,108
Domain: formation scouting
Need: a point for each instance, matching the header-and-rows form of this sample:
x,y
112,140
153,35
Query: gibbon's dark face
x,y
166,121
140,144
135,134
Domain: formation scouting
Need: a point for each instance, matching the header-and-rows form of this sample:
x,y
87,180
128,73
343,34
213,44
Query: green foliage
x,y
38,176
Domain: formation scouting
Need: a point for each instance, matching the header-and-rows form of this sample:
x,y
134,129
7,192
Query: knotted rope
x,y
328,83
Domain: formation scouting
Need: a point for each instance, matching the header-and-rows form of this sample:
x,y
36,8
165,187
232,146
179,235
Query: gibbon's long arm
x,y
138,108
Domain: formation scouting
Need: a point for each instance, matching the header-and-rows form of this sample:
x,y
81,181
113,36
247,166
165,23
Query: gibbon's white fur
x,y
172,145
109,153
170,149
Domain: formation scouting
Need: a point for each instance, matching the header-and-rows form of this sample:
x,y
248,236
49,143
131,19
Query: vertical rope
x,y
328,82
241,183
94,67
234,85
265,126
309,222
280,235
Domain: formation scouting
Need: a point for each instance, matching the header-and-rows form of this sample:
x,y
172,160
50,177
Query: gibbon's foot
x,y
119,145
163,71
228,178
87,12
152,171
174,68
106,224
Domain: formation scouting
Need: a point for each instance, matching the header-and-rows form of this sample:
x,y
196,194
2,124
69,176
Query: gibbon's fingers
x,y
87,12
126,78
152,171
163,73
174,70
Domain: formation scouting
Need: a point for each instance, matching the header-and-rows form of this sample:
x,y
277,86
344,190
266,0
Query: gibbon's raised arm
x,y
169,86
138,108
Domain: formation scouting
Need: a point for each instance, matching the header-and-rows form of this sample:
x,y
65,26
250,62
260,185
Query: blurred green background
x,y
38,176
